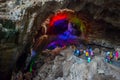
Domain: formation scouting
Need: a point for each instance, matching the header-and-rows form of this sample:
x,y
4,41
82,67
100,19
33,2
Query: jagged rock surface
x,y
70,67
28,15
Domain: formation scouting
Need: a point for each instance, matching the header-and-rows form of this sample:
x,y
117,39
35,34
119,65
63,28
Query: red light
x,y
58,16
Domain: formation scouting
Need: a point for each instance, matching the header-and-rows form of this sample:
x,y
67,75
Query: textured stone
x,y
102,15
97,69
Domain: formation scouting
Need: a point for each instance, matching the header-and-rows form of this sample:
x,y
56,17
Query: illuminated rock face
x,y
28,15
66,26
70,67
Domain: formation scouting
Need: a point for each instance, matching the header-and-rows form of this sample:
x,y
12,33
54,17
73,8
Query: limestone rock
x,y
70,69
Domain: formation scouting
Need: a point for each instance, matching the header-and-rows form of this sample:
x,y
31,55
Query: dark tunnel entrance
x,y
64,27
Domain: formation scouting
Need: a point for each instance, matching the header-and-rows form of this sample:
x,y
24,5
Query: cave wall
x,y
30,14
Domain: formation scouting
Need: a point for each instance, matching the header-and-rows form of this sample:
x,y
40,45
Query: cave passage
x,y
50,38
67,27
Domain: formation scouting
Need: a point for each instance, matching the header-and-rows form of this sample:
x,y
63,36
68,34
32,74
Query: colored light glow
x,y
63,39
52,45
59,23
64,30
89,60
59,27
31,66
57,17
76,21
79,24
67,36
33,53
60,43
33,56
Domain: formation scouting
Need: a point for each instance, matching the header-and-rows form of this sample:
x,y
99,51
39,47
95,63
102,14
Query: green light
x,y
31,65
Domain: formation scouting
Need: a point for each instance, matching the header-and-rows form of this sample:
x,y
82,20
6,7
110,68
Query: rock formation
x,y
69,67
20,19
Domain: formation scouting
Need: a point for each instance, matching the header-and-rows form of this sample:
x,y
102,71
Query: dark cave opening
x,y
97,31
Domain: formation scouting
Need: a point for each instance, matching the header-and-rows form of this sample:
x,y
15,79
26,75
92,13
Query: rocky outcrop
x,y
70,67
28,15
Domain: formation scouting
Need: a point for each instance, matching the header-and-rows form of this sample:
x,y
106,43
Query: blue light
x,y
60,26
52,45
76,52
89,60
67,36
33,53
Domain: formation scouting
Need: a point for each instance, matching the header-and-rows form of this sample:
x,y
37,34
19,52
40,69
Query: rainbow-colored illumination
x,y
58,24
57,17
66,27
79,24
